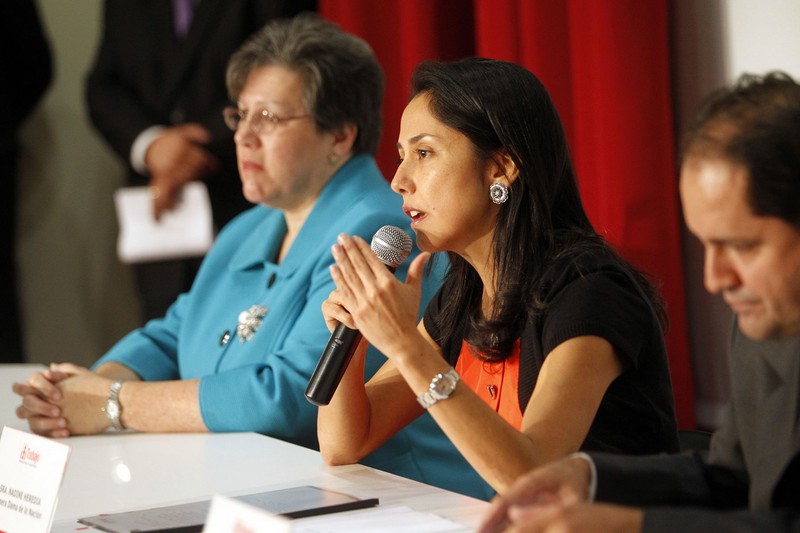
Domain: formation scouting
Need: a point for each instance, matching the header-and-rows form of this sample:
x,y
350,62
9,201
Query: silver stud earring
x,y
498,192
333,159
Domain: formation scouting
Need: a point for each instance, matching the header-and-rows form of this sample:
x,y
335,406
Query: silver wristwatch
x,y
112,409
441,387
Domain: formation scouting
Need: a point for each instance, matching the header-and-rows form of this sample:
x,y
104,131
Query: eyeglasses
x,y
263,121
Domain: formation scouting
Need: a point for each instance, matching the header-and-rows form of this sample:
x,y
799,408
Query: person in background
x,y
236,352
155,94
740,189
542,340
27,71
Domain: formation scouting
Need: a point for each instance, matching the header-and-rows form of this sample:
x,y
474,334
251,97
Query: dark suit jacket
x,y
751,479
26,65
143,76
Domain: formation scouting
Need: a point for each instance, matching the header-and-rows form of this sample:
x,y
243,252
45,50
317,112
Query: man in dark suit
x,y
156,94
26,68
740,190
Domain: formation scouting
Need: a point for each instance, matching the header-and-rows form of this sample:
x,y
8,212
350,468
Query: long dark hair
x,y
500,106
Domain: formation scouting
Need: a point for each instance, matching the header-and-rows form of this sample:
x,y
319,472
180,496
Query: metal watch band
x,y
113,410
441,387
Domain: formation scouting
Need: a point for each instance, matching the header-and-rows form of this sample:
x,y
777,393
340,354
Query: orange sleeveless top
x,y
496,383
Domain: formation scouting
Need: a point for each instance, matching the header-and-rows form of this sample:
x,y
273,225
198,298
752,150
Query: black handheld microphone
x,y
392,246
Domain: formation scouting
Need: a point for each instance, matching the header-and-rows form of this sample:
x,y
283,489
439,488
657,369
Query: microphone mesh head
x,y
392,245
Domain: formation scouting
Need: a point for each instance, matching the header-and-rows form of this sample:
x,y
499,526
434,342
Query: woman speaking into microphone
x,y
542,341
236,351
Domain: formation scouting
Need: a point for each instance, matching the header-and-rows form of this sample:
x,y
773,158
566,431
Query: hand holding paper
x,y
185,231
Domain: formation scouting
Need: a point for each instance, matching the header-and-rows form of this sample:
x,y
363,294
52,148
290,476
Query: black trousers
x,y
11,334
161,282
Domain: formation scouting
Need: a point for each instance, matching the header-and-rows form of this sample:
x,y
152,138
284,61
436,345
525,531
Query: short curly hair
x,y
344,82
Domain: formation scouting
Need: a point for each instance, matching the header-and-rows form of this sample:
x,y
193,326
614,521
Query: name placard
x,y
31,471
227,515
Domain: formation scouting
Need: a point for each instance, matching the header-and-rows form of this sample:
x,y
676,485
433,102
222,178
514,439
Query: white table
x,y
116,472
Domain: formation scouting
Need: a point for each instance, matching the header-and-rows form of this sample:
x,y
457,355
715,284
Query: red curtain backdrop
x,y
606,65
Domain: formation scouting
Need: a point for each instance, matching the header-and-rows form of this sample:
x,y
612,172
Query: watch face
x,y
113,410
442,388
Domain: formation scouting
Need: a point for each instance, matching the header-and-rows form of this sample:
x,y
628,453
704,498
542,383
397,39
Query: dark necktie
x,y
182,10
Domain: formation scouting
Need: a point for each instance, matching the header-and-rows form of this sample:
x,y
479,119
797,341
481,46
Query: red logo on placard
x,y
239,527
28,456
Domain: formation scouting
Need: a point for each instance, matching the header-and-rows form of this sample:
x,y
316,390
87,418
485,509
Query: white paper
x,y
401,519
31,471
185,231
231,516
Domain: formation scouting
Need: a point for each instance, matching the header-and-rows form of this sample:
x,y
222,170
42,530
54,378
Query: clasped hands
x,y
63,400
553,499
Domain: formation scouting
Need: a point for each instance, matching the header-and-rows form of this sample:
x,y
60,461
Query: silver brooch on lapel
x,y
249,322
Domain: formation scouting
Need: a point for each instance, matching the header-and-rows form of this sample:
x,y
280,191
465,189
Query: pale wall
x,y
77,298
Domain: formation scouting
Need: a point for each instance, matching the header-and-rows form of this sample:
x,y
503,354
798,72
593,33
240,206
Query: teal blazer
x,y
258,384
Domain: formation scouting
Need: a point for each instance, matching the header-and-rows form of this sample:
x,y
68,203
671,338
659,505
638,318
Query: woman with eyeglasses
x,y
236,352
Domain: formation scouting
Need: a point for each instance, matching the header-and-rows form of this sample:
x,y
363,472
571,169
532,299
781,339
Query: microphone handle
x,y
332,365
